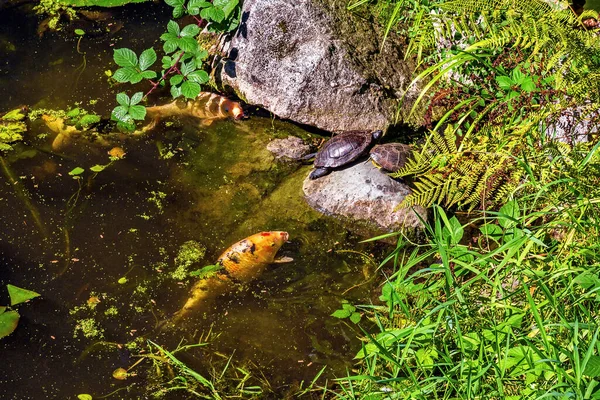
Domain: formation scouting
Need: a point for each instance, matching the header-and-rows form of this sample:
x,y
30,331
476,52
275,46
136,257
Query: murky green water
x,y
217,186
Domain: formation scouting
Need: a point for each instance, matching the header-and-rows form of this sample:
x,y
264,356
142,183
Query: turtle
x,y
390,156
342,149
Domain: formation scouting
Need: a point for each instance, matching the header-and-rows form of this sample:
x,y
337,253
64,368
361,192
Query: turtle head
x,y
377,134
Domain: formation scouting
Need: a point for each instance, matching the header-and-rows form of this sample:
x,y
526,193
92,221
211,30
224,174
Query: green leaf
x,y
355,317
125,58
517,76
188,67
148,74
505,82
84,397
206,271
121,114
190,30
175,91
592,368
176,80
173,28
76,171
122,280
341,313
175,3
123,99
199,4
528,85
198,76
73,113
137,112
226,5
136,98
126,74
511,211
8,322
187,44
147,58
170,46
213,14
79,32
189,89
492,230
178,12
19,295
87,120
97,168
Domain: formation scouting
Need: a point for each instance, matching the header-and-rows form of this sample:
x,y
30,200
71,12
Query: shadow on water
x,y
105,269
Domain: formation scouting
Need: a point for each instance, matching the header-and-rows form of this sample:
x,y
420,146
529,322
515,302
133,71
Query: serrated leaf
x,y
190,30
341,313
175,3
137,112
528,85
198,76
201,55
188,67
173,28
8,323
170,46
213,14
19,295
175,91
226,5
123,99
189,89
136,98
125,57
504,82
148,74
147,58
178,12
97,168
199,3
176,80
76,171
126,74
592,368
187,44
121,114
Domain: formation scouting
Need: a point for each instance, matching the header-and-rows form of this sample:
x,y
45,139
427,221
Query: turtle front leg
x,y
319,172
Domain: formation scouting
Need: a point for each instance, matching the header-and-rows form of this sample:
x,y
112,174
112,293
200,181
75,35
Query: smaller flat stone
x,y
363,193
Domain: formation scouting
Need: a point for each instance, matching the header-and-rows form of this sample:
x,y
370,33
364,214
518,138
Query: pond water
x,y
113,237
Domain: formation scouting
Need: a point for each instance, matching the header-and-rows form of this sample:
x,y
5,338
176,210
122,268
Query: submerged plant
x,y
183,63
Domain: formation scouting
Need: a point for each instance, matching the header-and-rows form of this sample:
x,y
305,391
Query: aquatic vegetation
x,y
12,128
55,10
89,328
190,253
9,319
182,64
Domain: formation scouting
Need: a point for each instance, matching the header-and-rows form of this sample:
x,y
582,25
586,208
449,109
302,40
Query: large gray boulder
x,y
362,193
313,62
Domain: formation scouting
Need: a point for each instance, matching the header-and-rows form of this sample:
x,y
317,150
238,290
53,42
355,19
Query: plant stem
x,y
173,67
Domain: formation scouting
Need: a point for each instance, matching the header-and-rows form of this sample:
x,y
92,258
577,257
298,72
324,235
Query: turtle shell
x,y
343,148
390,156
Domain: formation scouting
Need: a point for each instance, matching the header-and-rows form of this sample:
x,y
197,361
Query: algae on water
x,y
190,253
12,128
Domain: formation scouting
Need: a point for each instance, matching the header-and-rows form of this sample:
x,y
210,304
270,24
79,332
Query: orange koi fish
x,y
241,263
208,107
